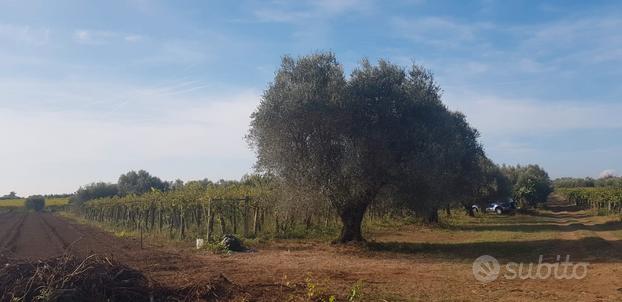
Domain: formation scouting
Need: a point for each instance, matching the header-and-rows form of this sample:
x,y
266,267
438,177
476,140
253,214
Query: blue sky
x,y
92,89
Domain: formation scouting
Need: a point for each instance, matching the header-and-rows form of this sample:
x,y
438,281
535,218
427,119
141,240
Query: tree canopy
x,y
531,183
139,182
35,203
11,195
588,182
382,129
94,191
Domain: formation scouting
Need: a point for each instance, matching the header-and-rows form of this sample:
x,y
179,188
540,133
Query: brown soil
x,y
405,266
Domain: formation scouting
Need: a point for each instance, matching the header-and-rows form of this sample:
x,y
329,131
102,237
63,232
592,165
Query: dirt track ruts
x,y
280,268
35,236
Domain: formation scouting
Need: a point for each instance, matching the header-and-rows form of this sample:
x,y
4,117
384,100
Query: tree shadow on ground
x,y
591,249
560,215
563,208
542,227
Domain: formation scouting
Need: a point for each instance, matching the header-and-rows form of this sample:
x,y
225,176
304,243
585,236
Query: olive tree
x,y
531,184
93,191
491,184
382,129
35,203
139,183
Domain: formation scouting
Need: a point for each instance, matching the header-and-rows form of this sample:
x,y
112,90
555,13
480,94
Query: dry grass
x,y
18,203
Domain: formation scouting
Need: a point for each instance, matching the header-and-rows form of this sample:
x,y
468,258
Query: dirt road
x,y
410,264
34,236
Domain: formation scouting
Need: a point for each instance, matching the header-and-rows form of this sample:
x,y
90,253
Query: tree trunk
x,y
352,219
432,216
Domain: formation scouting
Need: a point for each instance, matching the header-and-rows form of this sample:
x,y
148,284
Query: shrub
x,y
36,202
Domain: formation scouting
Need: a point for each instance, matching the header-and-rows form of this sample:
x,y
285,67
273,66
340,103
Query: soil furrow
x,y
13,232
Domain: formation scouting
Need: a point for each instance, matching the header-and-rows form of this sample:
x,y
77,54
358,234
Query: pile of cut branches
x,y
98,278
67,278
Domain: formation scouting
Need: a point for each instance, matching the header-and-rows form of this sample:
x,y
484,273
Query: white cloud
x,y
179,52
498,116
607,173
585,40
133,38
281,16
24,34
86,143
439,31
101,37
302,11
547,47
341,6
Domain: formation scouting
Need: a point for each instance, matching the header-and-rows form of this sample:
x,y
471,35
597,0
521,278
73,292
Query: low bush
x,y
35,203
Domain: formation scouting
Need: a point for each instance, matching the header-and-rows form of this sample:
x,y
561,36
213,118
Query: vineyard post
x,y
160,222
182,218
234,220
246,216
221,216
276,223
210,221
256,220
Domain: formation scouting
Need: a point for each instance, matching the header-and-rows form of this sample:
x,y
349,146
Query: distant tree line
x,y
11,195
63,195
132,182
588,182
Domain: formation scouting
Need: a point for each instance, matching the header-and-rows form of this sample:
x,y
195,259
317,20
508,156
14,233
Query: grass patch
x,y
18,203
12,203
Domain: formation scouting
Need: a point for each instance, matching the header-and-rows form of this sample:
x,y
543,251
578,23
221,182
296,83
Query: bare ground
x,y
409,264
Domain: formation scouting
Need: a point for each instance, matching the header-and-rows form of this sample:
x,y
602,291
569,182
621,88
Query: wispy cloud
x,y
24,34
587,40
173,131
302,11
101,37
494,115
607,173
575,40
439,31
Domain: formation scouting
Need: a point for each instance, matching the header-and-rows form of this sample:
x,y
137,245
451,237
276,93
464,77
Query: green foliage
x,y
139,183
216,248
55,203
316,291
11,195
35,203
531,184
93,191
383,131
604,201
570,182
356,292
196,209
588,182
12,203
491,184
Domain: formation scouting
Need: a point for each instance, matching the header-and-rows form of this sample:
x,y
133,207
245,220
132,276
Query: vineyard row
x,y
603,200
